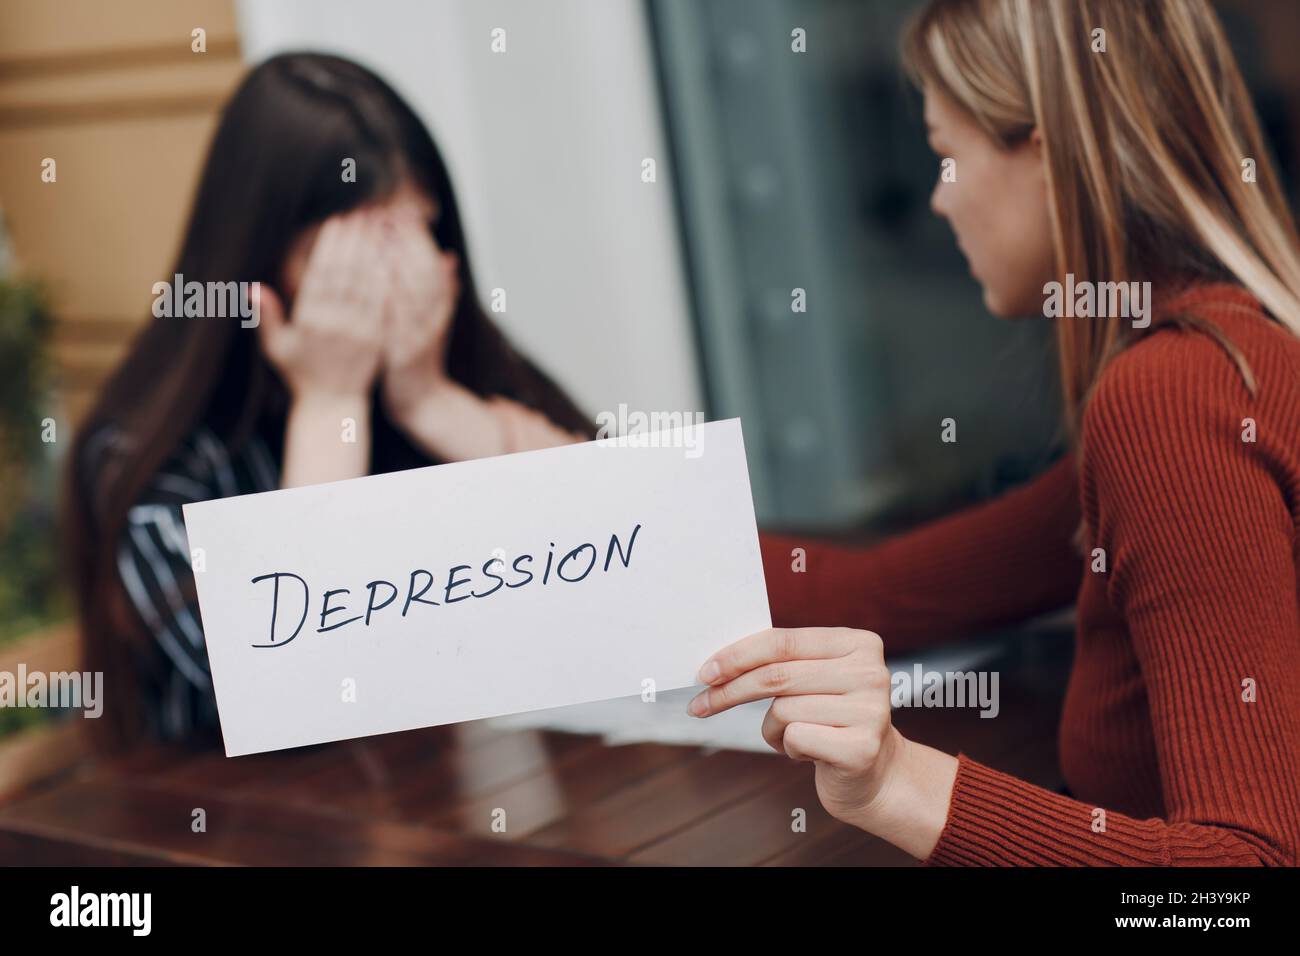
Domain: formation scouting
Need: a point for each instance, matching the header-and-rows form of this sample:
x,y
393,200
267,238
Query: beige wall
x,y
115,95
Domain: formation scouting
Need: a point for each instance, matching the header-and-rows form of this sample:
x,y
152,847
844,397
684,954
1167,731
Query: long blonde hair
x,y
1144,148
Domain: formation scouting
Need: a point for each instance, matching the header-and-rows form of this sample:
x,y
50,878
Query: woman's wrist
x,y
419,406
327,437
408,392
910,809
447,419
323,403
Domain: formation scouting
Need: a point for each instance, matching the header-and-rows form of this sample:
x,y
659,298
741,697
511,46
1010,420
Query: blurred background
x,y
774,171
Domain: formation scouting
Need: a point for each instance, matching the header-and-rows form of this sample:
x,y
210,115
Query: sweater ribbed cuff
x,y
995,819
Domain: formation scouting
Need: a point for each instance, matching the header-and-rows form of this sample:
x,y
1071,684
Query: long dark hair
x,y
274,168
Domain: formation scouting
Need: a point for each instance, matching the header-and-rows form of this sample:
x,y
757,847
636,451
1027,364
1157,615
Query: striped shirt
x,y
153,560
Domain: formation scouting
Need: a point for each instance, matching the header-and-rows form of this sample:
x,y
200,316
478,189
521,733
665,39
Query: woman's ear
x,y
1036,140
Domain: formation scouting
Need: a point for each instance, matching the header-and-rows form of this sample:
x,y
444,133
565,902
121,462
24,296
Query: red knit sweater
x,y
1200,595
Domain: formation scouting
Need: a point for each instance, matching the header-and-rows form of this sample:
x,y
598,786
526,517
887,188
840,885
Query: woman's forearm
x,y
327,438
1000,562
453,423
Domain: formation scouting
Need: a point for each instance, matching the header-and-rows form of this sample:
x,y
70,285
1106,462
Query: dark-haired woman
x,y
371,353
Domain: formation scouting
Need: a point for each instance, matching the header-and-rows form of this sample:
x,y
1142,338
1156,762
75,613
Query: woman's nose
x,y
938,200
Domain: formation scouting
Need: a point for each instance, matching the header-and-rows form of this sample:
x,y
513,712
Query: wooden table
x,y
430,797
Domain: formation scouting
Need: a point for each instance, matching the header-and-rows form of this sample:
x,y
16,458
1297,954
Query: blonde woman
x,y
1181,723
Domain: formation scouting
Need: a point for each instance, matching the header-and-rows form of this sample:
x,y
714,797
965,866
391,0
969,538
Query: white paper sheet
x,y
675,575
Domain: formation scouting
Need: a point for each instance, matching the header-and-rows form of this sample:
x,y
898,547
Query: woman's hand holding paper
x,y
831,706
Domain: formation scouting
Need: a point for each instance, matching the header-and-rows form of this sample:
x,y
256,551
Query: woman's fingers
x,y
320,279
417,259
783,678
347,302
403,270
780,644
342,265
833,710
837,746
425,287
371,281
351,255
